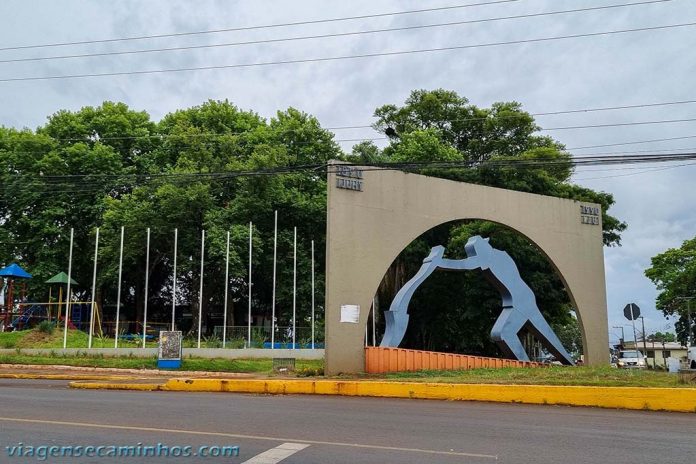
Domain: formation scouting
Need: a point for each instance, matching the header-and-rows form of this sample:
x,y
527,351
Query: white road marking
x,y
277,454
248,437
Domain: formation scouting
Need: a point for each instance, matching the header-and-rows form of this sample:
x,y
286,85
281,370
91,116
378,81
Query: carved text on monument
x,y
349,178
589,215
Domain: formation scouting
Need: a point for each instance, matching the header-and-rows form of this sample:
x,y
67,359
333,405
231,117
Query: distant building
x,y
657,353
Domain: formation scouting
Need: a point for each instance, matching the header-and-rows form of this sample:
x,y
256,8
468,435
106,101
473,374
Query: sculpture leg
x,y
548,338
505,334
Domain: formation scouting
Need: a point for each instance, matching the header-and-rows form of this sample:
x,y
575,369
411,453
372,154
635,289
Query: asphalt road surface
x,y
314,429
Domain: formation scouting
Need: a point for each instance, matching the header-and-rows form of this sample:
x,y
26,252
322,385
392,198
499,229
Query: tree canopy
x,y
452,312
209,168
674,274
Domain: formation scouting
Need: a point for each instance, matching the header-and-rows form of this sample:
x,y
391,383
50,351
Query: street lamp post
x,y
622,333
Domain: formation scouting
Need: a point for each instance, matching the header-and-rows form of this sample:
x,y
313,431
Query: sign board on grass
x,y
169,356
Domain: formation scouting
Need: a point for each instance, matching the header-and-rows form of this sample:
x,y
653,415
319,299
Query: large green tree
x,y
455,312
111,167
674,274
57,178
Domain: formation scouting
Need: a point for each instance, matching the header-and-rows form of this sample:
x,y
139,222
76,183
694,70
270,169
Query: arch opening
x,y
455,312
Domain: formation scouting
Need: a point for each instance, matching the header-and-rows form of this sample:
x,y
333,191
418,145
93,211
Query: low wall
x,y
255,353
379,360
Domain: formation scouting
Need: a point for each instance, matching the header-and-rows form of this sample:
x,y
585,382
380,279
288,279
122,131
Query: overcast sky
x,y
623,69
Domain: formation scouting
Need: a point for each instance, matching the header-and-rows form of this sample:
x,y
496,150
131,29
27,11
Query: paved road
x,y
304,429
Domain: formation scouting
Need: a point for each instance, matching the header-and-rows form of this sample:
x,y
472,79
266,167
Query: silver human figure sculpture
x,y
519,303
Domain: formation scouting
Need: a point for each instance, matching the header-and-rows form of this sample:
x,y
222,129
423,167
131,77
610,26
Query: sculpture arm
x,y
467,264
397,317
430,264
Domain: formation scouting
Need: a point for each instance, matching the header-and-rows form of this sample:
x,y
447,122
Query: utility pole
x,y
645,348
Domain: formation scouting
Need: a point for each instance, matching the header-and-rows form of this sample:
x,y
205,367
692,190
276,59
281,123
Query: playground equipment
x,y
23,314
59,279
36,312
11,273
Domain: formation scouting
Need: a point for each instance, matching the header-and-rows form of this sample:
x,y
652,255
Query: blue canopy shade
x,y
13,270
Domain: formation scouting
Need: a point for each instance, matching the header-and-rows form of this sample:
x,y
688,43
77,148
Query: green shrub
x,y
46,327
310,372
235,343
211,341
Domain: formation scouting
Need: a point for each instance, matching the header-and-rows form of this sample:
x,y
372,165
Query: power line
x,y
588,160
346,57
636,123
324,36
654,151
608,108
636,173
633,142
265,26
75,186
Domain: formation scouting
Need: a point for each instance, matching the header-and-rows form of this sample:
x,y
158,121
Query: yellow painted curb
x,y
642,398
67,377
653,399
116,386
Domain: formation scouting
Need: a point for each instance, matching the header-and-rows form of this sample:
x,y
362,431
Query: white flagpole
x,y
94,288
118,297
294,288
200,291
67,304
312,294
249,315
147,284
227,281
275,254
176,236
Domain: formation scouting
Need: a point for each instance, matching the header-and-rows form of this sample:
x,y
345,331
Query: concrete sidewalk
x,y
58,372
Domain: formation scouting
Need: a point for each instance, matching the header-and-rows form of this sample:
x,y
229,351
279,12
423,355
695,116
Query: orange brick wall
x,y
379,360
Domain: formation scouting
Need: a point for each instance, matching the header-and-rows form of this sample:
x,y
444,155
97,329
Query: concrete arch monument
x,y
372,215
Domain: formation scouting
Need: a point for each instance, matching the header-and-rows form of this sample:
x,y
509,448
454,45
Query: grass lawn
x,y
27,339
555,375
78,339
261,366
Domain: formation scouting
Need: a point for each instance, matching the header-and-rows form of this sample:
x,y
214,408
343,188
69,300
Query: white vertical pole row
x,y
294,288
118,296
374,311
147,285
249,309
94,289
366,334
67,304
176,236
275,254
227,281
200,290
312,294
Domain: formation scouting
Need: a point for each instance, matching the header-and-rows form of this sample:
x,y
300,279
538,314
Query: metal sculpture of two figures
x,y
519,304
